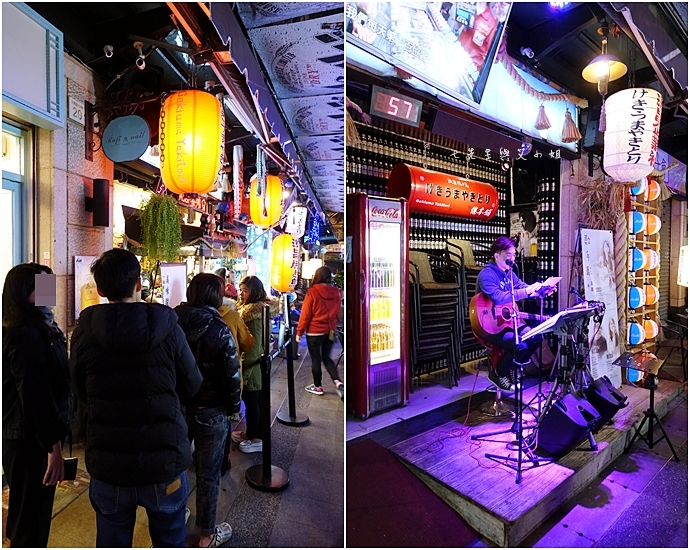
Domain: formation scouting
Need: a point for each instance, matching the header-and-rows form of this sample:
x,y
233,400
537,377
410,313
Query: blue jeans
x,y
116,512
208,428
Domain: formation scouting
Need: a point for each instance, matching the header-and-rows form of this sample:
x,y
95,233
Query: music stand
x,y
648,363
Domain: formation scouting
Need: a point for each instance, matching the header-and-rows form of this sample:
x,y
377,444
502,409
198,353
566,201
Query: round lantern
x,y
653,190
633,117
636,222
635,259
635,334
191,141
635,297
639,188
651,293
651,329
651,259
653,224
265,205
284,263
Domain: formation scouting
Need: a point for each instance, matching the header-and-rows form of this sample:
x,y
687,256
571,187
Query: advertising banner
x,y
85,293
174,283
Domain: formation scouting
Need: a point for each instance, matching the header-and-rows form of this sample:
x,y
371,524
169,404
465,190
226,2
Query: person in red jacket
x,y
320,312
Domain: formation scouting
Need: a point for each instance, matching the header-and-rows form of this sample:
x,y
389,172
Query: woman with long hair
x,y
35,406
320,313
207,411
252,299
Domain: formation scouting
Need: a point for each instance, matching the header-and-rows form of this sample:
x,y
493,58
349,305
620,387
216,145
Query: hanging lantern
x,y
651,329
237,178
633,117
652,224
635,334
635,259
265,205
191,141
651,259
651,294
635,297
653,191
640,187
296,220
636,222
285,263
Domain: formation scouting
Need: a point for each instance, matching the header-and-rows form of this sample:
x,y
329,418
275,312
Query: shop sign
x,y
384,211
174,283
296,221
126,138
195,202
443,194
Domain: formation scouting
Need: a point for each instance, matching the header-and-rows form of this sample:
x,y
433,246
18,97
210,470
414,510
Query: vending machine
x,y
377,232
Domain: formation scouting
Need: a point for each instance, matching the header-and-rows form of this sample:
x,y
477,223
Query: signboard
x,y
395,106
85,293
126,138
193,201
600,285
444,194
315,115
684,266
174,283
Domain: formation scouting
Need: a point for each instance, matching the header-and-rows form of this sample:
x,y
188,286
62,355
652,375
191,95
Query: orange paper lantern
x,y
653,224
284,263
265,205
651,259
191,141
651,295
651,329
653,190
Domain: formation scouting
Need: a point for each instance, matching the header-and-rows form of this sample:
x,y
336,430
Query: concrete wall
x,y
64,178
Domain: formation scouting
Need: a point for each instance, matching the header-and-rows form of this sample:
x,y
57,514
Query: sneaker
x,y
248,447
316,390
221,535
501,382
340,388
238,437
187,513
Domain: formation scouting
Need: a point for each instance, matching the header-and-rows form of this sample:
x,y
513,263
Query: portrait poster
x,y
524,228
600,286
85,293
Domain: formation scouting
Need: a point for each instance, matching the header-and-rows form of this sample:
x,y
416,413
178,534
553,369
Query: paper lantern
x,y
639,188
651,293
265,205
296,220
636,222
651,259
653,224
635,259
633,117
192,137
284,263
635,334
635,297
651,329
653,190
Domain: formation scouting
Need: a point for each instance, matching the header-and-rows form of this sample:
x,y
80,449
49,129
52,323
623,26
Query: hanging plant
x,y
161,229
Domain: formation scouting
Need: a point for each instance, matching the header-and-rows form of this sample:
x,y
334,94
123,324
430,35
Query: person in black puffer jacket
x,y
132,367
207,412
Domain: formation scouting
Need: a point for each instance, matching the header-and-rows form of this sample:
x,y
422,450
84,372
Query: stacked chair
x,y
436,326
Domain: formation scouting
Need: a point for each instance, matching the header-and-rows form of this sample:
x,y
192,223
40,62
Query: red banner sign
x,y
195,202
443,194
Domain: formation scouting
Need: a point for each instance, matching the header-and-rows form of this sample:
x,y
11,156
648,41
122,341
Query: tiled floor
x,y
309,512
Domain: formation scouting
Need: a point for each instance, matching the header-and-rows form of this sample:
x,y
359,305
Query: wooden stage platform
x,y
484,492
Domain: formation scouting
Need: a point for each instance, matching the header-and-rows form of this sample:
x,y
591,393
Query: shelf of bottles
x,y
547,240
383,144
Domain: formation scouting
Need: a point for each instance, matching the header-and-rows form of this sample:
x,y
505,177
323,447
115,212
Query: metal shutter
x,y
664,258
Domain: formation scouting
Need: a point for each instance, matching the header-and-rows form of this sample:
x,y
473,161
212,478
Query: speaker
x,y
100,204
593,139
606,399
565,424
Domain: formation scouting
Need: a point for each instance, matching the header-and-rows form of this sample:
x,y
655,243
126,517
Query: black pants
x,y
253,413
504,340
31,503
319,347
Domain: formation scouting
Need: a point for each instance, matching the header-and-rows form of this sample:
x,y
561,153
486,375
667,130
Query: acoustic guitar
x,y
488,319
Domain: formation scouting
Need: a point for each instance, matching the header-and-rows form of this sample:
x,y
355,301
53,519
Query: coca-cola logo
x,y
392,213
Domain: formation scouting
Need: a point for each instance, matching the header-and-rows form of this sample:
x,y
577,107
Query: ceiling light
x,y
606,67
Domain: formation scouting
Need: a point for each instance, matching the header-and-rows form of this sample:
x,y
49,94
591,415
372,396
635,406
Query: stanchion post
x,y
292,417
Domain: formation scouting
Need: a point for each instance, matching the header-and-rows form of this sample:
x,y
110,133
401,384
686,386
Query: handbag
x,y
70,463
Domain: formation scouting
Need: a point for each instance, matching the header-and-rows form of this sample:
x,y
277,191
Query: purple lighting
x,y
558,5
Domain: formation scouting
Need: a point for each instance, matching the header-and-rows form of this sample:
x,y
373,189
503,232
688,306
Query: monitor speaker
x,y
606,399
566,424
594,139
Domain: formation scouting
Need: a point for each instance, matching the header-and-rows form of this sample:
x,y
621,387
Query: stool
x,y
496,407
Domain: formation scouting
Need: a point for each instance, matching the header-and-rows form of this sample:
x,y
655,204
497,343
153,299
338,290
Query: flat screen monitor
x,y
449,45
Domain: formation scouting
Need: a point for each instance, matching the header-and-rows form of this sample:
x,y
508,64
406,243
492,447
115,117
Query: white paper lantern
x,y
633,117
296,221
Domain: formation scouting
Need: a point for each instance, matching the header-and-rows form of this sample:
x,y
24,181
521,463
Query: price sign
x,y
394,106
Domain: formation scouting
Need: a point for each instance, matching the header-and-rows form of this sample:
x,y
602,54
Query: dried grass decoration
x,y
601,203
570,132
161,228
543,122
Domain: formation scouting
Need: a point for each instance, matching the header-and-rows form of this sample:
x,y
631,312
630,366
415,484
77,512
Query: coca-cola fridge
x,y
377,232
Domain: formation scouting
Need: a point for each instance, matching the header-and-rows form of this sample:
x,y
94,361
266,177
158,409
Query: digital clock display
x,y
394,106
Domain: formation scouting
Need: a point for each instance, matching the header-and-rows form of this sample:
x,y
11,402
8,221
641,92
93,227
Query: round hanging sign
x,y
126,138
635,297
635,334
635,259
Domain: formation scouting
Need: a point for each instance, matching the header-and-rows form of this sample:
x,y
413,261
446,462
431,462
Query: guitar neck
x,y
532,317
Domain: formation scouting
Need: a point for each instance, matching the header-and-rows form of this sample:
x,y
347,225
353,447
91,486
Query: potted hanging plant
x,y
161,229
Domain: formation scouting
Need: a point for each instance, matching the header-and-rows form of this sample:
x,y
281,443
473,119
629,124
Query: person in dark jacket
x,y
219,396
35,407
132,367
320,312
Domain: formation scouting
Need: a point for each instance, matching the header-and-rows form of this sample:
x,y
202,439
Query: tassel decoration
x,y
602,116
543,122
570,132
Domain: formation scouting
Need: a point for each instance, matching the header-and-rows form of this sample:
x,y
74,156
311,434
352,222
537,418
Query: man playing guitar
x,y
493,282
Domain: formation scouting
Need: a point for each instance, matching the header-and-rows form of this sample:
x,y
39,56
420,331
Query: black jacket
x,y
35,385
216,355
131,365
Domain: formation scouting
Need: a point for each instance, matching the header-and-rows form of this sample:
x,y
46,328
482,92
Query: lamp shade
x,y
265,205
651,295
635,259
191,141
633,117
635,334
640,187
651,329
653,190
284,263
653,224
635,297
603,64
636,222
